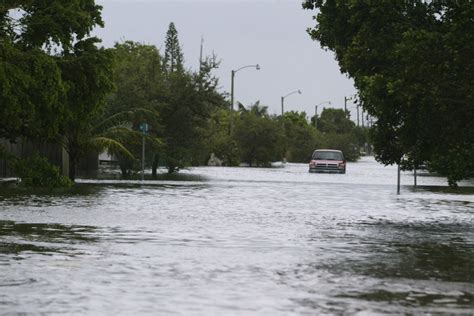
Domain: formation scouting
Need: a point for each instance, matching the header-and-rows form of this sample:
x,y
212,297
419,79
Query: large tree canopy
x,y
87,71
53,78
260,137
31,92
34,36
35,23
412,64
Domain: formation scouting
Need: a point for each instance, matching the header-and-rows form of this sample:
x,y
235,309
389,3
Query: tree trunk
x,y
123,169
154,166
72,166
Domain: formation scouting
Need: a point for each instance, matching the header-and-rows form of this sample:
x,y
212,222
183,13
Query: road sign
x,y
144,128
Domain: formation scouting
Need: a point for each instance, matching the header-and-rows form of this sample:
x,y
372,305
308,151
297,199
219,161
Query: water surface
x,y
240,241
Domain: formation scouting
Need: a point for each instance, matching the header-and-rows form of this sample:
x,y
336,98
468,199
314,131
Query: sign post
x,y
144,130
398,179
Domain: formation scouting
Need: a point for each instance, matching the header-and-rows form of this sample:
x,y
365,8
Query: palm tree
x,y
255,109
112,134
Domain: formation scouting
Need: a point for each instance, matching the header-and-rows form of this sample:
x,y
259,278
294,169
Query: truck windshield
x,y
327,155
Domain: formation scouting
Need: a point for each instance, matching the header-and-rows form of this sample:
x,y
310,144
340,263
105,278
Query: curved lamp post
x,y
354,99
316,112
233,72
283,100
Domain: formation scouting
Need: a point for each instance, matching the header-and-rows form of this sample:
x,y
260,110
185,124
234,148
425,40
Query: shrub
x,y
347,143
36,171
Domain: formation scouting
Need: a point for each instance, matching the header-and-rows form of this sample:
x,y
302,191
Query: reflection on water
x,y
17,238
240,241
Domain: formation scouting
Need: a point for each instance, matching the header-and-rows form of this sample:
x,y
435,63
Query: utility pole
x,y
357,115
231,113
200,55
362,117
282,106
231,108
316,117
316,112
143,157
398,178
283,101
345,104
144,130
414,176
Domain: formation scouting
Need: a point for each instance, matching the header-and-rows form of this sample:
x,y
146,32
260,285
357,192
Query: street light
x,y
345,102
283,100
352,97
316,112
233,72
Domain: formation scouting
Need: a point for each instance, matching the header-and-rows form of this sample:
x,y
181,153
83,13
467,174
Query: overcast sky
x,y
271,33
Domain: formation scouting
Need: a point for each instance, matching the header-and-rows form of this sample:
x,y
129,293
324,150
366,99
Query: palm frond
x,y
122,117
155,142
111,145
241,107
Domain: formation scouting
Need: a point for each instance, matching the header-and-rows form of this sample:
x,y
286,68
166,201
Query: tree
x,y
217,139
176,104
173,60
259,137
213,104
54,79
33,34
189,100
87,70
334,121
38,24
181,115
140,89
301,138
339,132
412,64
32,93
254,109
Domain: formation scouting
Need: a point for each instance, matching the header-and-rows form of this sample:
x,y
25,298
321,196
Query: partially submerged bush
x,y
36,171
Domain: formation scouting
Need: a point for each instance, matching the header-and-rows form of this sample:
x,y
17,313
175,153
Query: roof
x,y
334,150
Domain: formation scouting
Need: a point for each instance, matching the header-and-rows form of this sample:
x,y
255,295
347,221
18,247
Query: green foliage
x,y
36,171
140,91
219,141
457,164
301,138
361,136
53,78
53,22
340,133
179,102
173,60
260,138
87,71
347,143
180,116
32,93
335,121
6,155
139,80
189,101
412,63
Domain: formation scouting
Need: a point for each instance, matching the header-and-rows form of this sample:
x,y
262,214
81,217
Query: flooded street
x,y
241,241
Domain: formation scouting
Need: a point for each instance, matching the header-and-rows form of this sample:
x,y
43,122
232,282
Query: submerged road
x,y
241,241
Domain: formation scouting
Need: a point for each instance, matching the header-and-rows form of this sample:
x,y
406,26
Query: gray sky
x,y
271,33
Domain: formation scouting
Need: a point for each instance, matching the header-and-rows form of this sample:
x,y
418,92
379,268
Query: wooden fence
x,y
55,154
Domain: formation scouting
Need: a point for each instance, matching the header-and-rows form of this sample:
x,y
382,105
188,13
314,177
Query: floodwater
x,y
240,241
